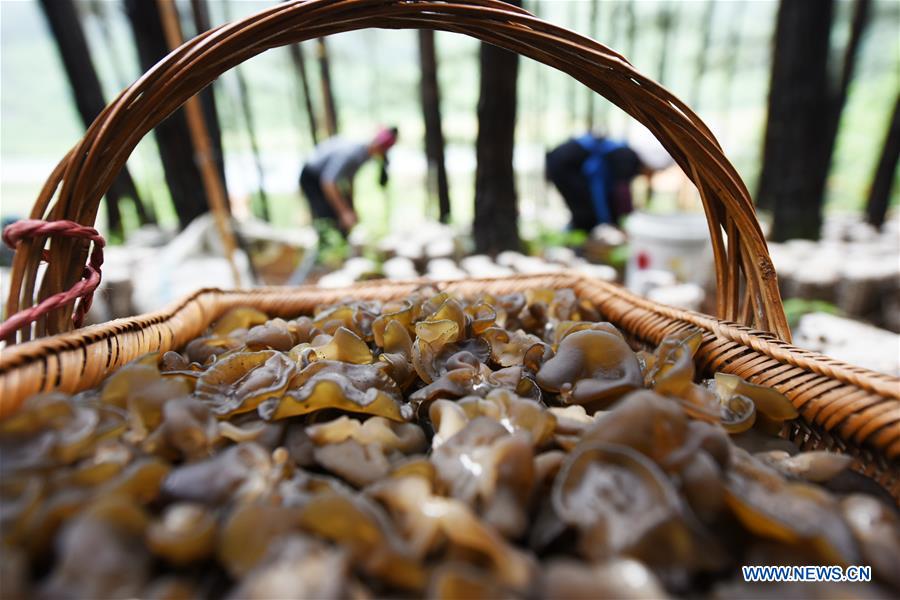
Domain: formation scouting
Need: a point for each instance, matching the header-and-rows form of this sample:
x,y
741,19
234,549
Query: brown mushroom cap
x,y
185,534
366,532
793,513
644,421
404,495
402,437
459,580
491,470
817,466
398,345
672,369
876,528
448,418
165,482
249,531
240,382
330,384
271,335
344,346
513,412
623,578
402,313
116,566
510,348
296,566
217,478
424,516
204,350
466,380
358,464
768,401
565,328
591,366
615,496
188,429
358,317
242,317
432,337
482,316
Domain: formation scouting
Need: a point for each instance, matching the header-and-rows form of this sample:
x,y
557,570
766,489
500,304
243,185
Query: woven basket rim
x,y
842,407
845,407
746,282
20,354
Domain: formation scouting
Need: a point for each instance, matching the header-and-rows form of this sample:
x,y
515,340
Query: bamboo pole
x,y
215,191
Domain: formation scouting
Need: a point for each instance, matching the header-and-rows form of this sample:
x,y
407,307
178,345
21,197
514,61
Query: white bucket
x,y
677,242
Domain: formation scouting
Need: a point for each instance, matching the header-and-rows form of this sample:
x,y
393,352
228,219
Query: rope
x,y
84,289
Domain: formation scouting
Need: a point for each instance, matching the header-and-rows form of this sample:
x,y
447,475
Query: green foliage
x,y
333,246
547,238
794,308
618,256
376,78
375,256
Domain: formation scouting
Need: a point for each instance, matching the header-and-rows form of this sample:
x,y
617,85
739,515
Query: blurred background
x,y
803,97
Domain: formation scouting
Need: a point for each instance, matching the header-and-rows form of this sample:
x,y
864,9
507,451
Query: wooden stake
x,y
215,191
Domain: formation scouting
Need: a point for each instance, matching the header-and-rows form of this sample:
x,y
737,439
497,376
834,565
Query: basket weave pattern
x,y
843,408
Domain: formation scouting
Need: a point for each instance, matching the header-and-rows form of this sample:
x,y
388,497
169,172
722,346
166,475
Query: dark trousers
x,y
563,168
319,206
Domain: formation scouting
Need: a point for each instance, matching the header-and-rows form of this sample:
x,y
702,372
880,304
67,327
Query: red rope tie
x,y
84,289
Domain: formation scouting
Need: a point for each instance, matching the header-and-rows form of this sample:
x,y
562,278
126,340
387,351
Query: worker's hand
x,y
347,219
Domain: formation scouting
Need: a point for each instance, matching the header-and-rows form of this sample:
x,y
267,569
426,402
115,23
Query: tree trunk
x,y
702,53
791,183
883,181
572,94
296,51
861,10
434,135
101,9
331,117
666,21
838,97
65,24
260,208
630,41
610,36
496,213
730,61
594,18
200,12
172,137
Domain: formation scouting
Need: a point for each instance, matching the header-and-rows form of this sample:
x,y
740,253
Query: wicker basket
x,y
842,407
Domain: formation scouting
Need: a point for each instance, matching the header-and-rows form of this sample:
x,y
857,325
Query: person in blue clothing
x,y
594,173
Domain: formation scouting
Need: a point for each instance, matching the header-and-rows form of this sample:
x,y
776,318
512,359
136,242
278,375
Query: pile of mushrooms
x,y
495,446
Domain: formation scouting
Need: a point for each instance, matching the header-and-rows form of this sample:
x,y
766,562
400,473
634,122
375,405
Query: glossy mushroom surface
x,y
510,446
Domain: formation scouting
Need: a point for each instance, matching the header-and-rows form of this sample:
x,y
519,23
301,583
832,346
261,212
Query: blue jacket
x,y
596,169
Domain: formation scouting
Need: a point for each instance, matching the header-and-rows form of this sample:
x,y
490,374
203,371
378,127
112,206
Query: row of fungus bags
x,y
492,447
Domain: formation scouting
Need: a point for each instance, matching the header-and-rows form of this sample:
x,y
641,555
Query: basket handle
x,y
747,288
